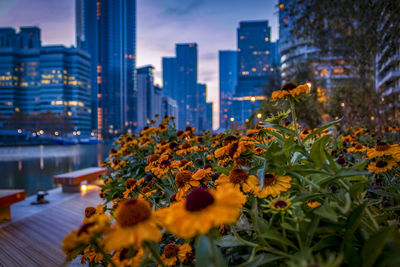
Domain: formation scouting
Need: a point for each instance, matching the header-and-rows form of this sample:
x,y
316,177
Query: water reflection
x,y
32,167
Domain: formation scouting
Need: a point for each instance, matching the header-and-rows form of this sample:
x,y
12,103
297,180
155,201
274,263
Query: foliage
x,y
278,196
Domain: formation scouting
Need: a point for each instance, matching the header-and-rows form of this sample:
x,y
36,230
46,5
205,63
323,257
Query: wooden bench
x,y
7,198
71,181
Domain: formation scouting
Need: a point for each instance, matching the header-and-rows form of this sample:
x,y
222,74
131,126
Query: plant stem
x,y
155,254
294,118
213,254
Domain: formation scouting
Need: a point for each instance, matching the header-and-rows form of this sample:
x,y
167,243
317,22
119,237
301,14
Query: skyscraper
x,y
186,55
227,85
180,83
170,77
148,96
39,79
256,61
107,31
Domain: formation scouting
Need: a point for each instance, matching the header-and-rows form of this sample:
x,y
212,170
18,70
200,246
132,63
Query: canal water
x,y
32,167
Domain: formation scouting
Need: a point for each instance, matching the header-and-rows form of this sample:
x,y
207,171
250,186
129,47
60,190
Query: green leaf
x,y
320,129
317,151
260,175
273,234
204,253
262,259
326,212
375,244
327,242
278,127
228,241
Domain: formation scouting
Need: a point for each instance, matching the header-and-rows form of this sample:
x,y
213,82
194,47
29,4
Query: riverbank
x,y
32,167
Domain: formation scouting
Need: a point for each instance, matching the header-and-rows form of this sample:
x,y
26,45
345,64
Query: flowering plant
x,y
278,195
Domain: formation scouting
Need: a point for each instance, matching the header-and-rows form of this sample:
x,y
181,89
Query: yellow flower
x,y
280,204
202,210
357,148
273,185
173,252
383,149
95,225
239,178
313,204
91,255
127,257
292,90
279,94
135,225
381,166
184,181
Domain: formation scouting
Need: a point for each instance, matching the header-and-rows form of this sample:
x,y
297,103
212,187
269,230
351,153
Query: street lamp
x,y
252,99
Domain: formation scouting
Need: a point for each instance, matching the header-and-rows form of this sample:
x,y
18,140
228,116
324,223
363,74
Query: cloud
x,y
182,8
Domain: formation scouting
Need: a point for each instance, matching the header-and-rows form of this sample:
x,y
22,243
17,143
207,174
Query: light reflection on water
x,y
32,167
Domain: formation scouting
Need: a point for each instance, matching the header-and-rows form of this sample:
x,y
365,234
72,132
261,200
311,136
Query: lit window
x,y
253,69
242,37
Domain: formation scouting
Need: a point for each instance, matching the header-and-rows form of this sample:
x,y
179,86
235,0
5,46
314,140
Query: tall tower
x,y
255,61
186,55
227,84
107,31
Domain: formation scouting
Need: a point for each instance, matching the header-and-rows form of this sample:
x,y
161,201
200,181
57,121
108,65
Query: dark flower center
x,y
153,158
381,164
179,133
132,212
165,163
84,228
89,212
382,146
358,146
130,183
171,250
232,149
186,146
238,176
280,204
198,199
269,179
289,86
182,178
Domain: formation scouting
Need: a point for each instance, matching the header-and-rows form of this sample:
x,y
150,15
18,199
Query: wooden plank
x,y
36,240
8,197
76,177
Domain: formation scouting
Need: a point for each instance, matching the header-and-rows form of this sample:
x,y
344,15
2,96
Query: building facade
x,y
227,86
329,70
169,108
107,31
256,62
180,84
149,97
39,79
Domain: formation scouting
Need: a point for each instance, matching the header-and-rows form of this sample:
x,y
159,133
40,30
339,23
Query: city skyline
x,y
170,22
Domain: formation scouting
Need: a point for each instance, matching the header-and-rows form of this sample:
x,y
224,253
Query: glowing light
x,y
19,131
253,99
56,133
232,119
74,133
342,104
372,118
92,134
83,187
309,84
78,133
41,132
266,39
259,115
281,6
382,99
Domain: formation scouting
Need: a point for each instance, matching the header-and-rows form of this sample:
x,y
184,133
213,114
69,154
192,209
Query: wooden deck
x,y
34,237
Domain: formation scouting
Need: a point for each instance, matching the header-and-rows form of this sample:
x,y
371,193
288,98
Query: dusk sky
x,y
160,24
